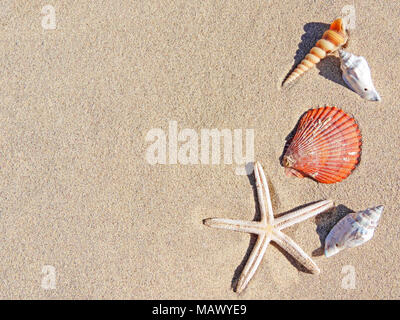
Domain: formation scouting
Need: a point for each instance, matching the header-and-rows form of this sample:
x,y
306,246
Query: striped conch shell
x,y
326,146
333,39
353,230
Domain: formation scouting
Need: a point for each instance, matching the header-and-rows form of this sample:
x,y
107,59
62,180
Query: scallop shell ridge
x,y
326,145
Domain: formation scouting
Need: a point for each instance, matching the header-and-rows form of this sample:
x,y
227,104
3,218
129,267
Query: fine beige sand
x,y
76,190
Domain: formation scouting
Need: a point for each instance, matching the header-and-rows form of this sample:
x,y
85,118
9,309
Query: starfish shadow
x,y
240,267
292,260
325,222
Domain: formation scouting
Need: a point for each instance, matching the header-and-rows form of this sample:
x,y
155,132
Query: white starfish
x,y
269,229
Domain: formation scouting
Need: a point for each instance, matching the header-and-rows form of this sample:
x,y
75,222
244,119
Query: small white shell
x,y
353,230
357,75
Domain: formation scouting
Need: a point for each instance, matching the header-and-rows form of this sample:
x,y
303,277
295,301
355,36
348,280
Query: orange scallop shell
x,y
326,146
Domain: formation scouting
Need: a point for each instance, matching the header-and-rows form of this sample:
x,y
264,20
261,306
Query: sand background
x,y
77,102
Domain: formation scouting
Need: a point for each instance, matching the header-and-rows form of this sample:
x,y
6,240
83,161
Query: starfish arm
x,y
262,188
254,261
294,250
235,225
302,214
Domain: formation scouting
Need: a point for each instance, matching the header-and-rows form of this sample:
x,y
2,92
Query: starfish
x,y
270,229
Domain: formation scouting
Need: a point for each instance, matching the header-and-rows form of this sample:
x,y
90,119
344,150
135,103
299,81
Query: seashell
x,y
357,75
326,146
332,40
353,230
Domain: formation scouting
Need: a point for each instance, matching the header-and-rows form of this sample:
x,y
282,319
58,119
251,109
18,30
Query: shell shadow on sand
x,y
329,67
325,222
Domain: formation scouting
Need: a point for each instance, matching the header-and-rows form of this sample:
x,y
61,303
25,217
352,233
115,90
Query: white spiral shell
x,y
357,75
353,230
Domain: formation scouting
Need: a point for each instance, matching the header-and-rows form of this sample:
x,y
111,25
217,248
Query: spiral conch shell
x,y
332,40
326,146
353,230
357,75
